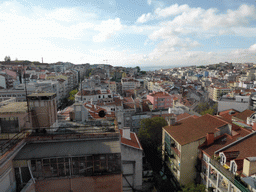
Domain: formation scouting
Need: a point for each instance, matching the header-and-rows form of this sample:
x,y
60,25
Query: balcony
x,y
175,150
223,184
213,176
229,177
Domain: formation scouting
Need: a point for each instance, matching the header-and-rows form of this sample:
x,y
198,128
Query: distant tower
x,y
42,60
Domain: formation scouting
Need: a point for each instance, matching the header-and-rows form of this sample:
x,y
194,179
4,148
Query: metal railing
x,y
8,145
228,175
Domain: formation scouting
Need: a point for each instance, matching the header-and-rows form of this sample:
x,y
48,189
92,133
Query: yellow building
x,y
181,141
219,92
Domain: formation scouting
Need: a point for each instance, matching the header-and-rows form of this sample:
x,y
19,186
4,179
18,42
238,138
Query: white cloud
x,y
252,48
170,56
171,11
149,2
144,18
107,29
206,19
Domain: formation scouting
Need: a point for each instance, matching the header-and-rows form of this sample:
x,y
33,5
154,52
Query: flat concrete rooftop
x,y
14,107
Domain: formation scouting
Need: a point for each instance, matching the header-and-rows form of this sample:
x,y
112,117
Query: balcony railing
x,y
8,145
228,175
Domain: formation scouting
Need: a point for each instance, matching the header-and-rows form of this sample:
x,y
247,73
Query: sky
x,y
145,33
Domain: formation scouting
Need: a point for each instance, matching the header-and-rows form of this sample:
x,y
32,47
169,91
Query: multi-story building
x,y
9,93
94,95
227,161
218,92
160,100
129,83
181,142
61,159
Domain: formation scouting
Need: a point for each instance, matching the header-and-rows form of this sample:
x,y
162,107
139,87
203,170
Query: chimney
x,y
209,138
126,133
171,120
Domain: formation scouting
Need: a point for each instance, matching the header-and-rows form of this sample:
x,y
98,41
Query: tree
x,y
193,188
150,132
138,68
72,95
150,136
7,58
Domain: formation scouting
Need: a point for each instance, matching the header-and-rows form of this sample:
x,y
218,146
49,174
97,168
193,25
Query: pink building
x,y
160,100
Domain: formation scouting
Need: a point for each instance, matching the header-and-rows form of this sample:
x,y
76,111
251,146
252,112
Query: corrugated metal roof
x,y
68,148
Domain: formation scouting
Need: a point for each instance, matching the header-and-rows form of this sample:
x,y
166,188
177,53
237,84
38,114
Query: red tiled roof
x,y
192,129
158,94
243,115
134,142
182,116
226,114
224,140
94,111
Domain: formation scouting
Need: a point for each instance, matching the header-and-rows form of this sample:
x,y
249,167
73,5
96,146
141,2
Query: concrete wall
x,y
45,111
189,154
22,119
89,184
132,154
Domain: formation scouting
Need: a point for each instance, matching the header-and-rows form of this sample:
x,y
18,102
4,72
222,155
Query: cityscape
x,y
96,127
128,96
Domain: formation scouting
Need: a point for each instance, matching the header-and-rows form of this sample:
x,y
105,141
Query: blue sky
x,y
129,33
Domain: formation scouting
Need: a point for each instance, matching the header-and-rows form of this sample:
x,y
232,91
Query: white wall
x,y
132,154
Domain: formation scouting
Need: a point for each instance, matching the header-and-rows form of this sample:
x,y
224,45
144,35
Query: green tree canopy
x,y
193,188
150,132
72,95
7,58
150,136
138,68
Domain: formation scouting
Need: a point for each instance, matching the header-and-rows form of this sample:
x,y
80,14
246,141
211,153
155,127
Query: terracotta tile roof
x,y
243,115
94,111
134,142
128,100
192,129
182,116
225,140
158,94
117,101
246,147
239,163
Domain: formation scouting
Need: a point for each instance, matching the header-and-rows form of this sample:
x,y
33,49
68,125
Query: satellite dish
x,y
102,113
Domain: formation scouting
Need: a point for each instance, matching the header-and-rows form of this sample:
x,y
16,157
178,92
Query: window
x,y
233,167
222,159
9,125
84,165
